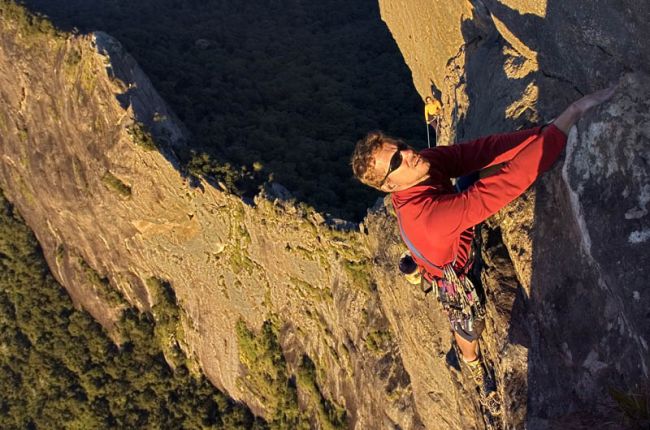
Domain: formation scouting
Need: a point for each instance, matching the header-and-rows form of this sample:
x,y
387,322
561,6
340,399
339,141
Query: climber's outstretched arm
x,y
578,108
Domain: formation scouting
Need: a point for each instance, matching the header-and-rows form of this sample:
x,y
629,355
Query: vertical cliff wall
x,y
566,263
565,266
104,202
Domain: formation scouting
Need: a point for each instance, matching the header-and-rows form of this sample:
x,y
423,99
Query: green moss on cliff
x,y
27,23
203,165
240,239
141,136
59,369
168,332
377,340
72,57
330,416
114,183
359,274
306,290
102,287
267,376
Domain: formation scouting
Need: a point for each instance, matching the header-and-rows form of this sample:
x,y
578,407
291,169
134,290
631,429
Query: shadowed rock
x,y
565,265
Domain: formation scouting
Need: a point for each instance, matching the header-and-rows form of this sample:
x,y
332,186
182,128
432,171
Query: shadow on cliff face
x,y
575,314
276,89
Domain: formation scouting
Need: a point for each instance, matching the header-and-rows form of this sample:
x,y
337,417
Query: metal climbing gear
x,y
466,300
455,291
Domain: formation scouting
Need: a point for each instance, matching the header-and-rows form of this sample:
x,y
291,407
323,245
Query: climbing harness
x,y
455,291
463,304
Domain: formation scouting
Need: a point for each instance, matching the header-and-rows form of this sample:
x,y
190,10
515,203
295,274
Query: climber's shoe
x,y
485,383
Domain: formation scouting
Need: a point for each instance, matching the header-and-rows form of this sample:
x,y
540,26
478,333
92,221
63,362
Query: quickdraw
x,y
459,298
455,291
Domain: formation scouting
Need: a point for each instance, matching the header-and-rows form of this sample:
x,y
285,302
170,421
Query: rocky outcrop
x,y
105,203
589,271
504,63
565,265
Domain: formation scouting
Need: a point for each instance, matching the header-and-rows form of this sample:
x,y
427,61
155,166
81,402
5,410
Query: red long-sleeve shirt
x,y
439,222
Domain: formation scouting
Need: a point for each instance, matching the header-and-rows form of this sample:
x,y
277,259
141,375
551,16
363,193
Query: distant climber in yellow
x,y
432,112
432,109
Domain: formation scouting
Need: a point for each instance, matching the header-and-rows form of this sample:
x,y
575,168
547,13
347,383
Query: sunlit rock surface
x,y
103,203
565,265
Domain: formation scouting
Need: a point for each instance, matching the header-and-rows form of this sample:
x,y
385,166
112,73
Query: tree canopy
x,y
59,369
287,85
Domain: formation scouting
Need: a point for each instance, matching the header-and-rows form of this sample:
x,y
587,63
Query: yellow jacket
x,y
431,110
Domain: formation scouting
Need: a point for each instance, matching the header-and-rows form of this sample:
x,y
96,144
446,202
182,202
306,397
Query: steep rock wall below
x,y
101,201
105,204
566,264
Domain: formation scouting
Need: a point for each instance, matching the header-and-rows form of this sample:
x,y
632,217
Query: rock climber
x,y
436,221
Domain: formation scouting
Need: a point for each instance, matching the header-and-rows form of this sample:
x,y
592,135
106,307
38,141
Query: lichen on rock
x,y
564,265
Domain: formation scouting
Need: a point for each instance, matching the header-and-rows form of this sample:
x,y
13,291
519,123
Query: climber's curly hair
x,y
363,157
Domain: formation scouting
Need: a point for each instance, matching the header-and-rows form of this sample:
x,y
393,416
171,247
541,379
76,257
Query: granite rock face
x,y
104,203
591,253
565,265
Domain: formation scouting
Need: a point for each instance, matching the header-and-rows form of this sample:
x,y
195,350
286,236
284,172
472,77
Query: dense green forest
x,y
279,88
59,369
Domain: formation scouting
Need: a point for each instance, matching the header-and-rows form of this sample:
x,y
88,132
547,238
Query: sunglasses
x,y
395,161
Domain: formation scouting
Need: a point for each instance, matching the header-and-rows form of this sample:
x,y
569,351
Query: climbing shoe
x,y
488,396
490,401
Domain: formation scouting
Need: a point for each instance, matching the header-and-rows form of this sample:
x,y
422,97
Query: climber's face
x,y
400,166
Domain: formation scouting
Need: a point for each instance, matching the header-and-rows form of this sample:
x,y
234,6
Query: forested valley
x,y
59,368
276,90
